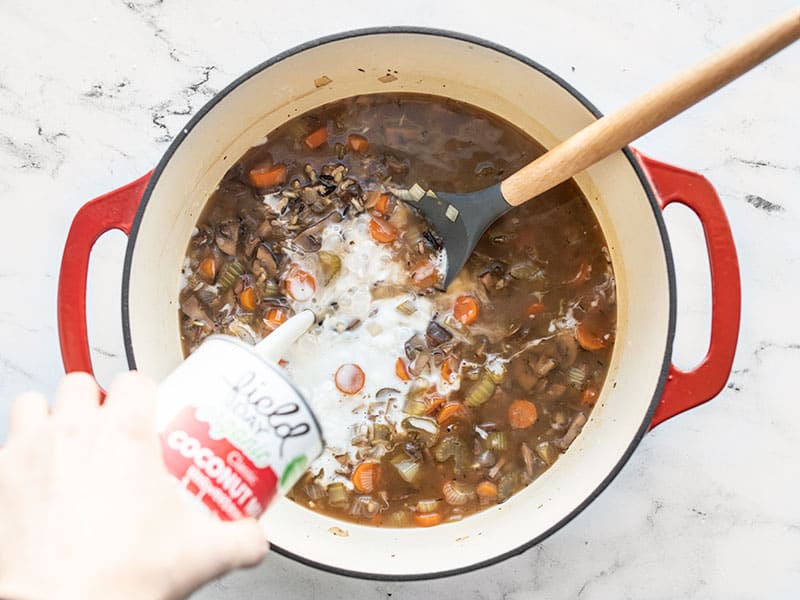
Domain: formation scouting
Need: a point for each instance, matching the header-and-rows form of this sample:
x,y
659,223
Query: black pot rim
x,y
578,96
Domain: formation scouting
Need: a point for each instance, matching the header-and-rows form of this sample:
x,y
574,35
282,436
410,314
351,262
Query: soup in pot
x,y
435,403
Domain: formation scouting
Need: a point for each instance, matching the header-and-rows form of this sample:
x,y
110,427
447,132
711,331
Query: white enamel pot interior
x,y
523,93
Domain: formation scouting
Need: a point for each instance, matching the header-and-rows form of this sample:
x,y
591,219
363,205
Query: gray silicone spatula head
x,y
458,220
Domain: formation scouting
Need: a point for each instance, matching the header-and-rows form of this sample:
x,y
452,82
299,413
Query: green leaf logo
x,y
294,469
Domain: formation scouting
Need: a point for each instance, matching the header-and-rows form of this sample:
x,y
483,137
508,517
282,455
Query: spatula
x,y
459,220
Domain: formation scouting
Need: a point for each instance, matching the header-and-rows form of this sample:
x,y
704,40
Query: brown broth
x,y
541,277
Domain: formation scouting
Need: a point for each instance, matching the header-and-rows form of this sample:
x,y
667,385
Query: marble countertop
x,y
92,91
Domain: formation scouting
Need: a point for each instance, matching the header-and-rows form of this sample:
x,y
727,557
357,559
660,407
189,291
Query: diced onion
x,y
364,506
407,468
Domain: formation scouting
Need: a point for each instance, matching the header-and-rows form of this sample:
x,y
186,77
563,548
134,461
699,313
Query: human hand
x,y
88,510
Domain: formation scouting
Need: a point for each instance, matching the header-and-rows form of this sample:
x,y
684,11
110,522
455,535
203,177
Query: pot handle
x,y
114,210
686,389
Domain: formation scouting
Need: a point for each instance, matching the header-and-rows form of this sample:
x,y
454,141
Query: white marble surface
x,y
92,91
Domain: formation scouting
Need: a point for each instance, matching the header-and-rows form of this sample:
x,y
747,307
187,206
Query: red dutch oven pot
x,y
627,192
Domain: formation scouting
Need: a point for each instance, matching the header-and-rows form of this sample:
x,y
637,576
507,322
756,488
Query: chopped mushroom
x,y
436,334
267,261
419,363
192,308
555,391
228,237
251,243
264,230
413,346
572,432
308,241
567,348
527,457
544,365
523,374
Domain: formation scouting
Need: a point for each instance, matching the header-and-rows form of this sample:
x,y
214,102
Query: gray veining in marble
x,y
92,91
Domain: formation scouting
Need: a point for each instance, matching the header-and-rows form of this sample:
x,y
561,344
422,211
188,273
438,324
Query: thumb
x,y
237,544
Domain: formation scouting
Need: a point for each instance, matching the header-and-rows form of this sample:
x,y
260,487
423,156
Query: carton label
x,y
215,471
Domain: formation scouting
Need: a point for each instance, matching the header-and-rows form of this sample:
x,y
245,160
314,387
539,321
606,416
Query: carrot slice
x,y
276,316
466,309
486,490
248,299
264,177
208,269
535,308
590,395
349,378
316,138
371,198
432,402
424,274
382,231
366,476
401,370
522,414
589,340
446,370
300,284
357,142
382,205
451,411
427,519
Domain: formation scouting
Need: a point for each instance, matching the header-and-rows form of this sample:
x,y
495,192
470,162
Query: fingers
x,y
28,412
131,403
77,399
237,544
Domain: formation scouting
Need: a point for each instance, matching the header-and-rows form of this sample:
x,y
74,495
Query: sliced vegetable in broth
x,y
435,404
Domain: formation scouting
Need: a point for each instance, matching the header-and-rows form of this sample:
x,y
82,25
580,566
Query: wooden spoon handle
x,y
612,132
